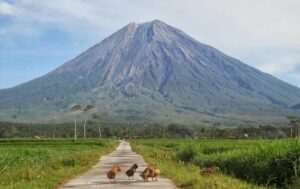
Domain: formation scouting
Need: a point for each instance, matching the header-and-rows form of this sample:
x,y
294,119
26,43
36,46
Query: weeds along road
x,y
125,157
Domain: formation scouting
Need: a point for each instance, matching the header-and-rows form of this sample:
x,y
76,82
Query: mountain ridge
x,y
149,66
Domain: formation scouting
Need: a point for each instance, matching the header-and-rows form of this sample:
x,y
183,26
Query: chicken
x,y
210,170
111,175
150,172
155,173
130,172
146,174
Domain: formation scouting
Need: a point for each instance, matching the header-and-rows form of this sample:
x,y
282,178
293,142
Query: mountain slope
x,y
153,72
296,107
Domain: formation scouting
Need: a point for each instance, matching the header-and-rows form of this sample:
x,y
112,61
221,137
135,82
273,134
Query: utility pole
x,y
97,118
99,129
75,108
75,128
86,110
84,133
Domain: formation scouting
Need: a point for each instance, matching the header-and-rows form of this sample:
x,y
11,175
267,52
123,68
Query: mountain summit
x,y
154,72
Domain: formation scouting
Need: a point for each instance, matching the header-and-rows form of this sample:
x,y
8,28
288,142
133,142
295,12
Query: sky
x,y
38,36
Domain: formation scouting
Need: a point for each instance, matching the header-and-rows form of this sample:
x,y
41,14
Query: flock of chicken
x,y
148,172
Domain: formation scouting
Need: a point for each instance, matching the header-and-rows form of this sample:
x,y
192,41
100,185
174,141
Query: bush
x,y
187,154
296,182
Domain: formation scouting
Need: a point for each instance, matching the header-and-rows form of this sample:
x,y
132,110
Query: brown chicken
x,y
155,174
130,172
150,172
210,170
111,175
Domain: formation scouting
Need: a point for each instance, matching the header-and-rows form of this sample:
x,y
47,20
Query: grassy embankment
x,y
46,163
262,163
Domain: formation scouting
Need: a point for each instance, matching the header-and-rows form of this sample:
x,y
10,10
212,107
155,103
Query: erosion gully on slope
x,y
125,157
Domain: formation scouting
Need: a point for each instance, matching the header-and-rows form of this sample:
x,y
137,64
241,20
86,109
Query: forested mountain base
x,y
146,130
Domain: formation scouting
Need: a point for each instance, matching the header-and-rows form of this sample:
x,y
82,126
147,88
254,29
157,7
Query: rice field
x,y
46,163
259,163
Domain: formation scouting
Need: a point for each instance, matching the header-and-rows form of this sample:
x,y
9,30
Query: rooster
x,y
150,172
210,170
111,175
130,172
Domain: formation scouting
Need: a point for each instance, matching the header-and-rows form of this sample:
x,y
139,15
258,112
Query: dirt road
x,y
125,157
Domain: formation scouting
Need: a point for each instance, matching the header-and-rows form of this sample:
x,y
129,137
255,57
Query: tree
x,y
107,132
97,118
87,109
75,109
178,131
215,128
295,126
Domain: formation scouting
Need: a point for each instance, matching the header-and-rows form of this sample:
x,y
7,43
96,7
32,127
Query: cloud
x,y
6,8
264,34
245,23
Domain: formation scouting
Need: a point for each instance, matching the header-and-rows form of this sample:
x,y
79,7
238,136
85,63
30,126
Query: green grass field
x,y
46,163
242,163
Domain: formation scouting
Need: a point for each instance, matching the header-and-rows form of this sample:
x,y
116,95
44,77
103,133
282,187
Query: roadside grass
x,y
244,156
264,162
47,163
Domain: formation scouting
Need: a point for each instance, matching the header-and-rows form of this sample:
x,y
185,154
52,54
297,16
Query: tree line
x,y
91,129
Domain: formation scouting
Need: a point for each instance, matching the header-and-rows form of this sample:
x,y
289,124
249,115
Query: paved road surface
x,y
125,157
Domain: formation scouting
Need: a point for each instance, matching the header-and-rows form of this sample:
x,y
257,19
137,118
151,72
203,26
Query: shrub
x,y
187,154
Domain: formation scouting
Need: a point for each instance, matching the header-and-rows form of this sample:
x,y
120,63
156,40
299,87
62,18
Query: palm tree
x,y
295,126
85,110
97,117
75,108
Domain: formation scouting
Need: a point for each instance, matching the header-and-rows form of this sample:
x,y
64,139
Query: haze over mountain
x,y
157,73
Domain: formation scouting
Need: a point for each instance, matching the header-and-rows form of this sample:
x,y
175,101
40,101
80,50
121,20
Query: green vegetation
x,y
46,163
145,130
268,163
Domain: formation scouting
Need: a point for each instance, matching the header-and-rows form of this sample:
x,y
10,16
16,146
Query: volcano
x,y
153,72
